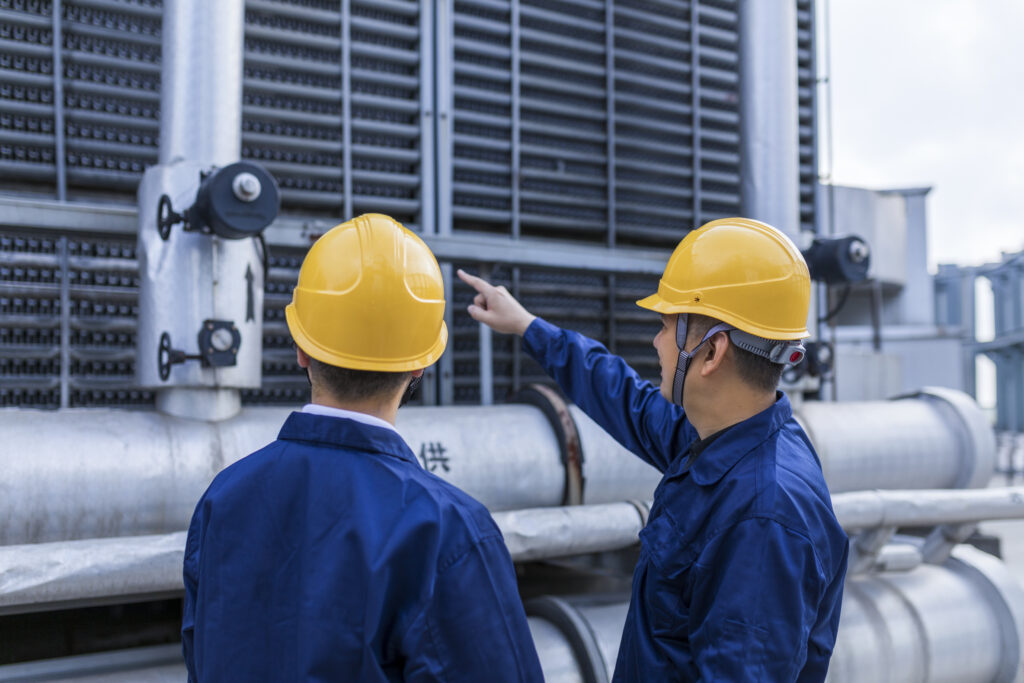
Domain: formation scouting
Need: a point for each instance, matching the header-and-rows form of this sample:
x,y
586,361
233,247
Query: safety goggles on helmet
x,y
783,352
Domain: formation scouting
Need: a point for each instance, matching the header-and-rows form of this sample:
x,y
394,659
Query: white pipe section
x,y
99,473
874,509
936,439
201,81
540,533
769,119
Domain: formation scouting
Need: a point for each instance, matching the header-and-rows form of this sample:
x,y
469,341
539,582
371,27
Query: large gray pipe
x,y
101,473
961,622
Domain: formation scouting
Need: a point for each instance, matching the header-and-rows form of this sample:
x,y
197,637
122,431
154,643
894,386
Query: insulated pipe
x,y
874,509
102,473
961,622
201,81
189,281
39,576
938,438
769,120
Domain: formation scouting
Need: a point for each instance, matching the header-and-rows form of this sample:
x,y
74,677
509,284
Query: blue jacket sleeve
x,y
756,587
629,408
823,634
190,574
474,627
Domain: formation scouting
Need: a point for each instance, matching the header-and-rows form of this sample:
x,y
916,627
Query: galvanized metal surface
x,y
541,533
201,81
155,664
938,439
102,473
188,279
46,576
623,476
768,113
956,623
871,509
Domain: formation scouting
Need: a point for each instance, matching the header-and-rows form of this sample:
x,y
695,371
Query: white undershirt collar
x,y
317,409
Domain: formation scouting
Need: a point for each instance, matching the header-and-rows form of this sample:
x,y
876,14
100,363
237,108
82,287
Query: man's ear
x,y
716,347
301,358
417,373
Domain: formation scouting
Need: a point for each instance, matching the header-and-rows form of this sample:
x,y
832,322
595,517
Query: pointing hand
x,y
495,307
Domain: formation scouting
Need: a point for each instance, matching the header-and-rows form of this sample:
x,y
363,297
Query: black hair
x,y
757,371
345,384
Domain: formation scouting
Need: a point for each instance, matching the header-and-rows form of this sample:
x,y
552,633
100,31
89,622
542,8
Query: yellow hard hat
x,y
742,272
370,297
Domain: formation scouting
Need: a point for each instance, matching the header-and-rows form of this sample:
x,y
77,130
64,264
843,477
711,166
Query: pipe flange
x,y
557,412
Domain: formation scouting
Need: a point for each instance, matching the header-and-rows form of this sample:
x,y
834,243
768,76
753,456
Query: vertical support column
x,y
486,354
346,107
769,116
517,359
201,81
515,166
967,299
695,108
613,333
59,145
446,366
443,108
428,196
609,69
65,323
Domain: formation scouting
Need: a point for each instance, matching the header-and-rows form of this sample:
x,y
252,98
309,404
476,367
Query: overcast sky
x,y
931,92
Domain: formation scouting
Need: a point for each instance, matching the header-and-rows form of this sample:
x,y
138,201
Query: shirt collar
x,y
328,411
343,431
727,447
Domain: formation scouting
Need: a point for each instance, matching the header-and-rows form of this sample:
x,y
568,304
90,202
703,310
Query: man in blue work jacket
x,y
331,555
740,575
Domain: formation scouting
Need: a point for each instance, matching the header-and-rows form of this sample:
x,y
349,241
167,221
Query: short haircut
x,y
757,371
345,384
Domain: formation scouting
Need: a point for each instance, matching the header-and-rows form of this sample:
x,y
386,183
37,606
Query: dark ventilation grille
x,y
111,92
599,305
807,103
68,306
27,152
548,100
312,117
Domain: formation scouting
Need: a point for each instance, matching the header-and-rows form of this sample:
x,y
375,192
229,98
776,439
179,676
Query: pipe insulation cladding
x,y
79,474
959,622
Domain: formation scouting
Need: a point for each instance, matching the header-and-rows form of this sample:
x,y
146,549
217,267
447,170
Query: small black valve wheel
x,y
166,356
166,217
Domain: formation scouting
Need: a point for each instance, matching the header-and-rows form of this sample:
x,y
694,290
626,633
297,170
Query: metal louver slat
x,y
807,106
26,97
111,57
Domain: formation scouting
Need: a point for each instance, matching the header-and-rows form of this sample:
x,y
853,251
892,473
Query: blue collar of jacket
x,y
729,448
339,432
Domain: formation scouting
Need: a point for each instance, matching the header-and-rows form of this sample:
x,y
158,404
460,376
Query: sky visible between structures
x,y
931,92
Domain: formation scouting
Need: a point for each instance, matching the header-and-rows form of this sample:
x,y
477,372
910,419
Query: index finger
x,y
478,283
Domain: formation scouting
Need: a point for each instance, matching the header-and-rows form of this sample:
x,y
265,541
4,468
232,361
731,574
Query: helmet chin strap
x,y
683,362
410,390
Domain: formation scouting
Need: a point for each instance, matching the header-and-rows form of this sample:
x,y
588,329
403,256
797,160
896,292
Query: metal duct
x,y
102,473
937,438
769,117
201,81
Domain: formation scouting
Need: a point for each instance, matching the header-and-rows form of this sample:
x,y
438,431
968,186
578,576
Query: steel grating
x,y
599,305
333,104
576,118
614,123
